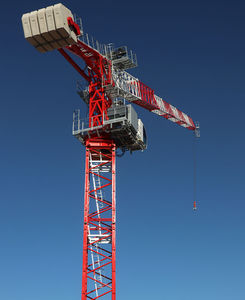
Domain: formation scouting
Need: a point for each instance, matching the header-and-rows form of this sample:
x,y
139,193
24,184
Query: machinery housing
x,y
122,125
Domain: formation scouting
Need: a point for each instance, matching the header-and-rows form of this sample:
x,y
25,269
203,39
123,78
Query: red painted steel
x,y
148,101
98,101
76,66
85,228
114,225
96,62
99,75
102,271
74,25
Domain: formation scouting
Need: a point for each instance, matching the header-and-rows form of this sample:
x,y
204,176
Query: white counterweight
x,y
47,29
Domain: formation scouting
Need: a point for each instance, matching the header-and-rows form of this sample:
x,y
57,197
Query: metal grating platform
x,y
121,126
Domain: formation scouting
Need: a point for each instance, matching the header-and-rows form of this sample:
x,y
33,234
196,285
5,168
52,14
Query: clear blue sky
x,y
192,54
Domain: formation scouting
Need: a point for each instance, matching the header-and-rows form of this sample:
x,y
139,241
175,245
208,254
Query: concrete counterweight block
x,y
47,29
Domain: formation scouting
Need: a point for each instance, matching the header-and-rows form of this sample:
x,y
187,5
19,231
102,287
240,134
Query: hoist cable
x,y
194,173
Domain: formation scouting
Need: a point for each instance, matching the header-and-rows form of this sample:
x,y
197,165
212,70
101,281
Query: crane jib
x,y
120,83
133,90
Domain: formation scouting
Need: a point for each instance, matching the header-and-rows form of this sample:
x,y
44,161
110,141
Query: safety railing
x,y
82,125
119,55
78,21
103,49
127,85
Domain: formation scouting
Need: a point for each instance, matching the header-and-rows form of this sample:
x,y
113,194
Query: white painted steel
x,y
140,133
94,256
126,86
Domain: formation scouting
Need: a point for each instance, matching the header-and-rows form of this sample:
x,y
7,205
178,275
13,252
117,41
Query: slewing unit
x,y
122,125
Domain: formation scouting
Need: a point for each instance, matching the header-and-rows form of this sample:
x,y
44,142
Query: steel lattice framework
x,y
99,245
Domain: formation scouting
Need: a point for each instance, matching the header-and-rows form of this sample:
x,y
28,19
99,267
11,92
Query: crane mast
x,y
111,125
99,241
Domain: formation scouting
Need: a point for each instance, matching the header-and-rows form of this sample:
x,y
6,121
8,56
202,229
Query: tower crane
x,y
111,124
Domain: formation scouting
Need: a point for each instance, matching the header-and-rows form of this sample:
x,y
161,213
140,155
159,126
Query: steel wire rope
x,y
195,173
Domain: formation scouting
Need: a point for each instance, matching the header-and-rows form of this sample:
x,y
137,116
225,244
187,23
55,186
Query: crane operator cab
x,y
122,125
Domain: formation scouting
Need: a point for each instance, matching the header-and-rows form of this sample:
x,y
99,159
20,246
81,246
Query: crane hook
x,y
195,205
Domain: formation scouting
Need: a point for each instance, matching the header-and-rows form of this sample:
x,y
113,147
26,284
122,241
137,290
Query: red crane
x,y
111,125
